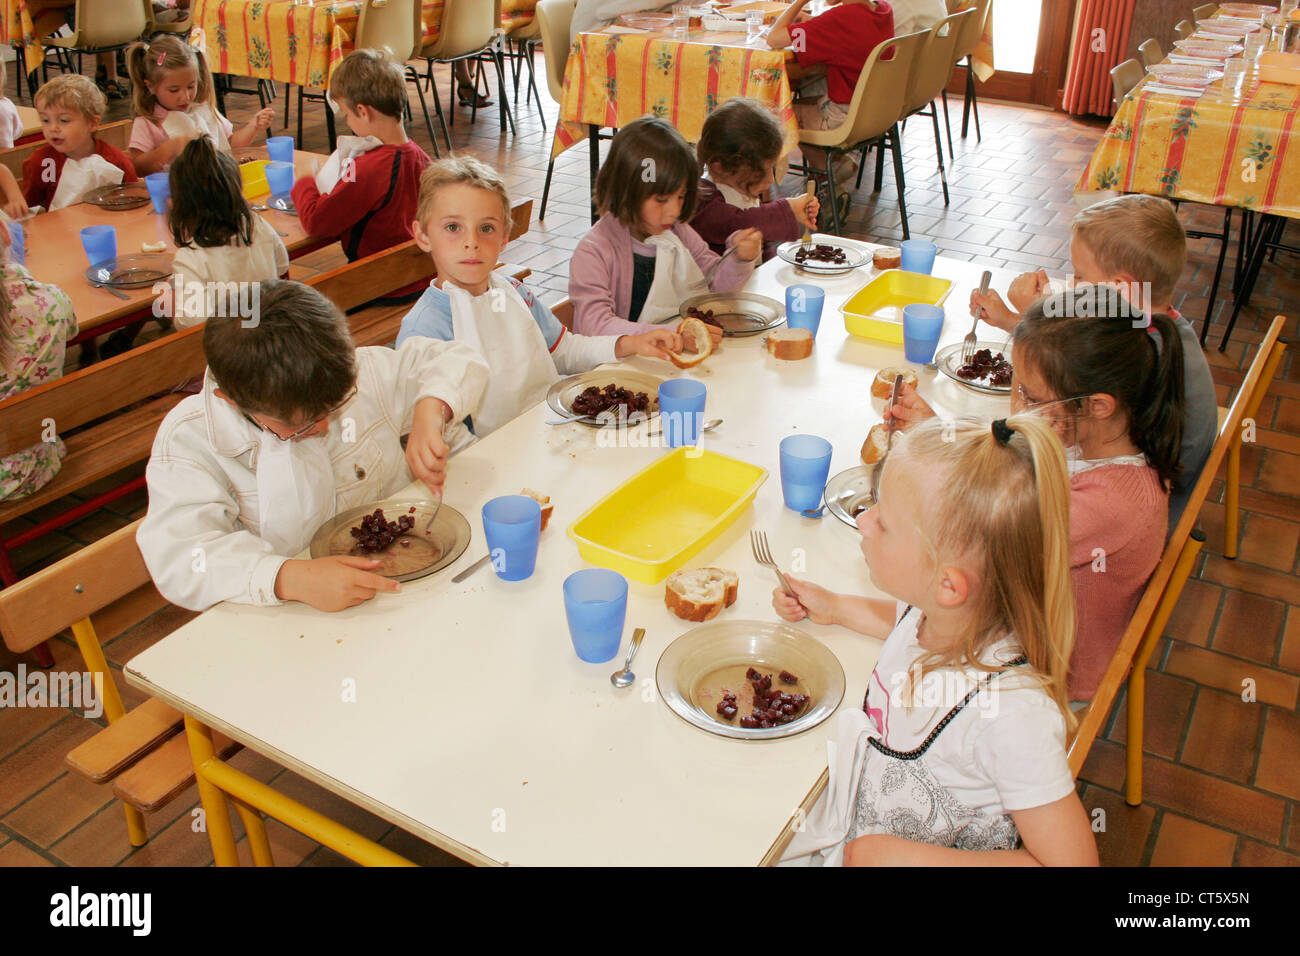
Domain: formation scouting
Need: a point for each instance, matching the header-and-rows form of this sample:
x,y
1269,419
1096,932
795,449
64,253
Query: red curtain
x,y
1101,29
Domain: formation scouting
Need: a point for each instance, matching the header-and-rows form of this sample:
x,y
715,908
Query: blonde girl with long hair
x,y
961,755
174,101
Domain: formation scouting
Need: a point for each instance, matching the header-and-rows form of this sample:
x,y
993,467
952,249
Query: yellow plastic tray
x,y
876,310
664,515
254,177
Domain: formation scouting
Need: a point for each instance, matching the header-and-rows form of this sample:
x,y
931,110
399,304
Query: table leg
x,y
593,162
220,833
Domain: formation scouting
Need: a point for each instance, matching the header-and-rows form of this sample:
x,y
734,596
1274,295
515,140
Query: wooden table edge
x,y
787,833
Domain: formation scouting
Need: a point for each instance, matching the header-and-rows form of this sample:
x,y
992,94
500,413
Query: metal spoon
x,y
625,677
109,288
436,508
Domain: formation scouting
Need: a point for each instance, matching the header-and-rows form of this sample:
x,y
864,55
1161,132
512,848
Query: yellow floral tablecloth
x,y
1228,148
612,79
19,25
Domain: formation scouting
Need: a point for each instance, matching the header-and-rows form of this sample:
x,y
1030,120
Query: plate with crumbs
x,y
988,375
404,553
737,313
131,272
605,396
824,256
698,671
118,196
848,494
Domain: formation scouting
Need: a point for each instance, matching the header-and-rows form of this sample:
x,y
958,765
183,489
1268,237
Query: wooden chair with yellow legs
x,y
1167,581
1268,358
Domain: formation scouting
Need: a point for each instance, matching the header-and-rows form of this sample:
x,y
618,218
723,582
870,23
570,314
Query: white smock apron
x,y
79,176
677,278
520,366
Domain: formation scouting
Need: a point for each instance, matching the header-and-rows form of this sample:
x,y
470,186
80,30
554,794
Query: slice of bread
x,y
700,594
544,501
884,380
790,344
873,449
697,344
887,257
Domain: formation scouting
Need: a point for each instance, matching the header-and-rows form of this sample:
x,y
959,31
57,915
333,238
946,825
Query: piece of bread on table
x,y
873,449
544,501
790,344
700,594
884,380
697,344
887,257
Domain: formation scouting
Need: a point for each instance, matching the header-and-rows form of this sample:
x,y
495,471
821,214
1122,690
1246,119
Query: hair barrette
x,y
1002,431
161,56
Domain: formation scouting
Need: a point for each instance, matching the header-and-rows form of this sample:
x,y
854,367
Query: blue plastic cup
x,y
100,243
595,603
922,326
681,411
160,190
280,148
279,176
512,524
805,463
803,307
918,255
17,244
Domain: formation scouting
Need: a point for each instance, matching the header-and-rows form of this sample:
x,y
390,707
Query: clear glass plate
x,y
848,494
562,394
132,272
415,554
949,360
739,313
857,257
695,669
118,196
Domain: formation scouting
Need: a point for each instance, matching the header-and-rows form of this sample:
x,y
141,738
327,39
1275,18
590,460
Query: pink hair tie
x,y
161,57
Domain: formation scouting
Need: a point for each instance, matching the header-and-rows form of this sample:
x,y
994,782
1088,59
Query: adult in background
x,y
598,14
913,16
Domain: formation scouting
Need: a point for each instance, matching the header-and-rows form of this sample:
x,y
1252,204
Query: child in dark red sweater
x,y
70,108
366,195
739,147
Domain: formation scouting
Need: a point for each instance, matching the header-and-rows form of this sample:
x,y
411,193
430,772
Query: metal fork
x,y
758,541
808,233
969,342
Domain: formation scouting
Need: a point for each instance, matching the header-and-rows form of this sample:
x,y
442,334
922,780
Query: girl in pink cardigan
x,y
640,260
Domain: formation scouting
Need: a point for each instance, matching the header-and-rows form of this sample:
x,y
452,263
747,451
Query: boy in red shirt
x,y
70,108
373,203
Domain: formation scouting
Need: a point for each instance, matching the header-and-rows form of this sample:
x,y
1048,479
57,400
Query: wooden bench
x,y
115,134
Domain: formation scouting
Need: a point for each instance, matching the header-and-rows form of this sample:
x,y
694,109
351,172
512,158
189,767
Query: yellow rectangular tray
x,y
664,515
876,310
254,178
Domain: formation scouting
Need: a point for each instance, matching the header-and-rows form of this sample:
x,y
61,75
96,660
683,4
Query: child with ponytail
x,y
173,103
958,756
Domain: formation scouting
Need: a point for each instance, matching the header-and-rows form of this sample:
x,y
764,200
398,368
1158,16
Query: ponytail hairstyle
x,y
208,205
1089,341
1002,508
147,62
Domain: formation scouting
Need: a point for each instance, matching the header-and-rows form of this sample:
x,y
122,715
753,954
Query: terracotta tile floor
x,y
1221,776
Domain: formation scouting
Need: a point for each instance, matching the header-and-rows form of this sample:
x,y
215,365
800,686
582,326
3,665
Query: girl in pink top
x,y
640,260
174,103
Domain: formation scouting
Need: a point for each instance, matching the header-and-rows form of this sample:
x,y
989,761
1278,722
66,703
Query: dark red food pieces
x,y
833,255
727,706
989,365
704,315
772,706
375,533
788,678
594,400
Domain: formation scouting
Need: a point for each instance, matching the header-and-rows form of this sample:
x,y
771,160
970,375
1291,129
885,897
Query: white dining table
x,y
460,712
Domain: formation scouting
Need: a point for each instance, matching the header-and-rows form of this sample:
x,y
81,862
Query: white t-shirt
x,y
265,258
913,16
1004,751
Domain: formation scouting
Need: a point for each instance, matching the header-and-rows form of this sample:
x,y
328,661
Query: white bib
x,y
677,278
349,147
295,490
199,118
79,176
499,326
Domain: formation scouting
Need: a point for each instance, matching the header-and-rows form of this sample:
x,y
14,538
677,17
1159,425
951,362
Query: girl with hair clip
x,y
958,754
173,102
640,260
1110,381
218,237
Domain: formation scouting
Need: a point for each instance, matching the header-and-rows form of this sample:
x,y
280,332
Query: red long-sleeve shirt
x,y
374,210
39,187
715,219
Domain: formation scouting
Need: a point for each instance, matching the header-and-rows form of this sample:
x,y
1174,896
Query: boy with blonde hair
x,y
71,107
1137,244
463,222
294,425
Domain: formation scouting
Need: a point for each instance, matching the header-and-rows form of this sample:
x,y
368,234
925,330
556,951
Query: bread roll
x,y
697,344
885,380
790,344
701,593
544,501
873,449
887,257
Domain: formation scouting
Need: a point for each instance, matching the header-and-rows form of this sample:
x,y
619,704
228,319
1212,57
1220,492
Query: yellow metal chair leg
x,y
255,827
220,833
1230,500
135,828
1137,677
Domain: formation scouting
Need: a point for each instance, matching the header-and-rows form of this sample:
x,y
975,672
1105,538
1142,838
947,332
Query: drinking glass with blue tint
x,y
100,243
805,463
917,255
511,525
160,190
595,604
681,411
922,326
803,307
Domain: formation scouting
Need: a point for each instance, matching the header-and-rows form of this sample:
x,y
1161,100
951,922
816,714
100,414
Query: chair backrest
x,y
107,23
393,26
1203,12
467,27
1183,29
1246,399
972,29
879,97
1149,52
933,66
553,20
1124,77
115,134
38,607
